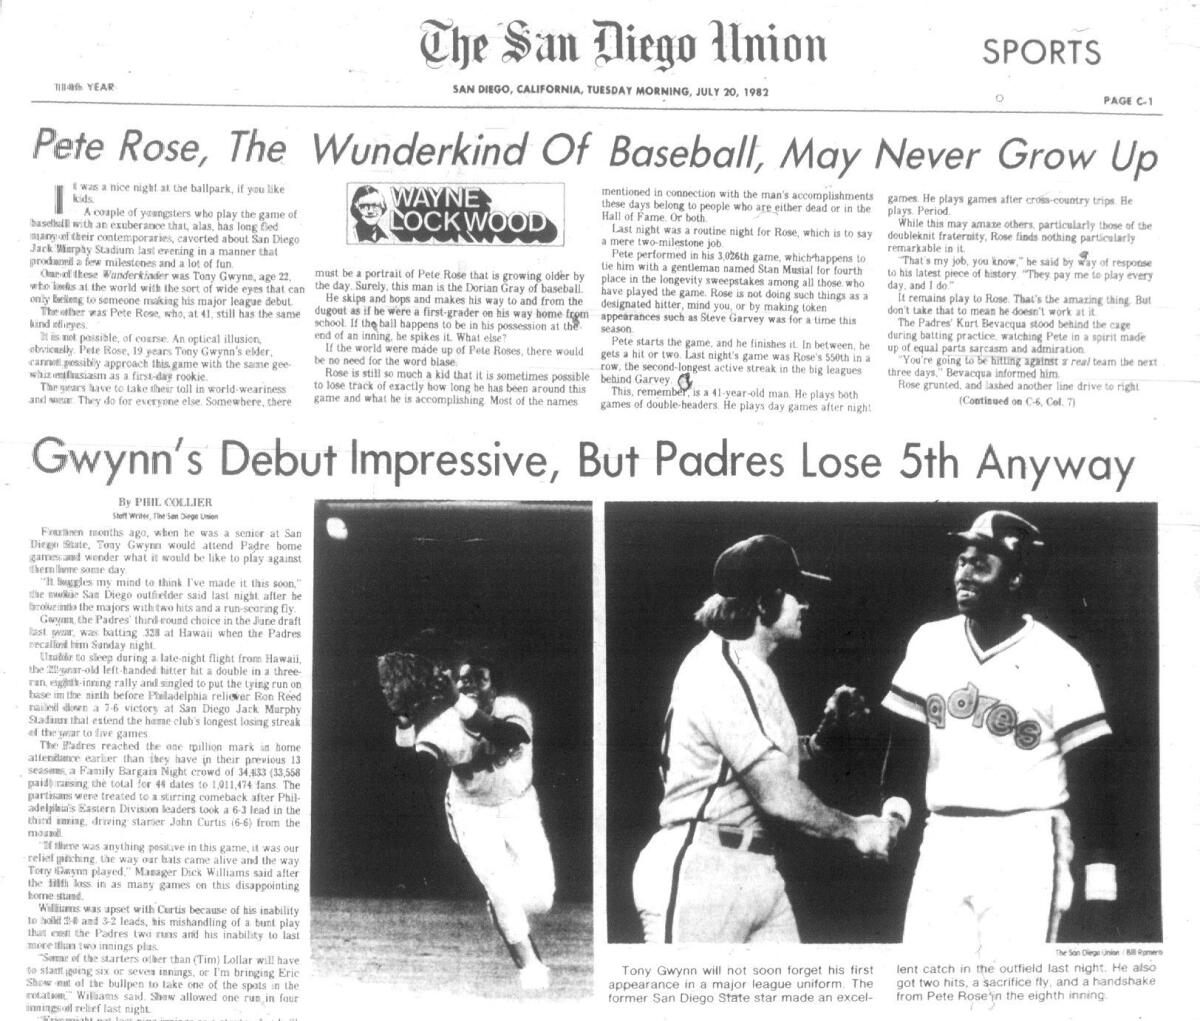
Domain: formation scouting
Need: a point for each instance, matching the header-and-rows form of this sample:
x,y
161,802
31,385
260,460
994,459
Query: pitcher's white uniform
x,y
709,874
492,809
994,865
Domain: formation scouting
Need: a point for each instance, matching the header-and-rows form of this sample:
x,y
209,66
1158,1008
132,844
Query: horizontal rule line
x,y
581,106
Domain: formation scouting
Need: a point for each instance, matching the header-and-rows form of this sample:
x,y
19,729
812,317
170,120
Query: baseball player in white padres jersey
x,y
1004,701
730,762
492,809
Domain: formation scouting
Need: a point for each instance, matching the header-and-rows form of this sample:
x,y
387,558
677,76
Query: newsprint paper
x,y
651,509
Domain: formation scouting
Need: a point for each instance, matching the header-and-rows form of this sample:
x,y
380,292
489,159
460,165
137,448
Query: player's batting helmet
x,y
1004,532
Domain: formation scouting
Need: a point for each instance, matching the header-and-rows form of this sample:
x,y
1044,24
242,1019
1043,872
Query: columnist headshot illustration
x,y
883,723
368,207
452,751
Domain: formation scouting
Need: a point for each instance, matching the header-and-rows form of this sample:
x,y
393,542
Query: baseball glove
x,y
844,718
416,689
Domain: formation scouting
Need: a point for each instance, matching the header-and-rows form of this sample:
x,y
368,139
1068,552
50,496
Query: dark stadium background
x,y
514,577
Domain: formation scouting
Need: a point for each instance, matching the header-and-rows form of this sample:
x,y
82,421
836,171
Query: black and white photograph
x,y
452,772
931,723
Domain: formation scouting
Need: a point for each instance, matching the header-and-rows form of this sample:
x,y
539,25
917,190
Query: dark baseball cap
x,y
759,566
1002,531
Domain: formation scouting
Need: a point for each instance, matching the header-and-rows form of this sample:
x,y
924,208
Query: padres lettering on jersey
x,y
982,711
1000,720
726,713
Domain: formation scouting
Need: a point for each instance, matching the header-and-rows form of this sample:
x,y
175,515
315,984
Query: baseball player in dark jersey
x,y
730,766
999,721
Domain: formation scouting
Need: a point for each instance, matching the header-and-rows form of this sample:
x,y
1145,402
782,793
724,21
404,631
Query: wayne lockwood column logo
x,y
455,214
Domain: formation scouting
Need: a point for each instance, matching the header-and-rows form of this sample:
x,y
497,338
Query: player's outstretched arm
x,y
784,797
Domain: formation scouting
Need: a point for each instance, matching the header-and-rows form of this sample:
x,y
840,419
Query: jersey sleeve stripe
x,y
1082,731
904,703
745,688
1087,721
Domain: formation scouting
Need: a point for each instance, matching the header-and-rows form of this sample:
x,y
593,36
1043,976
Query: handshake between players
x,y
730,763
843,719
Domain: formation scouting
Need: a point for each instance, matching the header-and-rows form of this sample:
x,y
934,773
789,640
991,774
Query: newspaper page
x,y
659,509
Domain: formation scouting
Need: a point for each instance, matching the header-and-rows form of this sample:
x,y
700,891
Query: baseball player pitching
x,y
730,762
458,717
1001,721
